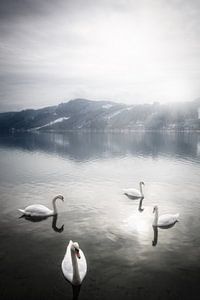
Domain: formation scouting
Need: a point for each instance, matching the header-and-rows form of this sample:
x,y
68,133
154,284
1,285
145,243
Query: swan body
x,y
39,210
164,220
74,265
134,193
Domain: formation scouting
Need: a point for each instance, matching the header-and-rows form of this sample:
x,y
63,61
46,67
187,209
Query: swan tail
x,y
21,210
127,192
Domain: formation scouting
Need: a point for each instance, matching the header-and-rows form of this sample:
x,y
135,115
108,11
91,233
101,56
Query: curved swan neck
x,y
55,211
141,190
155,222
76,276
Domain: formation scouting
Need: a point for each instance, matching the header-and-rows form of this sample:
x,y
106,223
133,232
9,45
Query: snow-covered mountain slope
x,y
82,114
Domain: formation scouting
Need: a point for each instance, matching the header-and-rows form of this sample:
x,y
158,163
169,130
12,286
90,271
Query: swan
x,y
38,210
134,193
164,220
74,270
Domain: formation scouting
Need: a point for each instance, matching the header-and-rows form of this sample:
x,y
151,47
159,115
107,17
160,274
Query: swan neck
x,y
55,211
141,190
76,276
155,222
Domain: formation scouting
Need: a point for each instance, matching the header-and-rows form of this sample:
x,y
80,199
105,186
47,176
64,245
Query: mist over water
x,y
126,257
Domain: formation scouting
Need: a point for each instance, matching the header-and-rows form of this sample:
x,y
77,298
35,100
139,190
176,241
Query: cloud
x,y
127,51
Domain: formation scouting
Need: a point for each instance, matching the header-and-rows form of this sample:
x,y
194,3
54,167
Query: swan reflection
x,y
155,232
42,218
155,237
140,208
76,292
164,222
54,226
140,205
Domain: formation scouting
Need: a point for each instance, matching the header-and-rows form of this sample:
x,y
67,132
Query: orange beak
x,y
77,254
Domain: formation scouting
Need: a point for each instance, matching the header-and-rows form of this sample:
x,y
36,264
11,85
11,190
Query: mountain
x,y
82,114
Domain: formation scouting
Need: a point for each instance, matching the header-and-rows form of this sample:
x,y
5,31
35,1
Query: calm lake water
x,y
125,258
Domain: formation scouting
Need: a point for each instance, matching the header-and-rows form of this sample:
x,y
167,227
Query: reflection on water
x,y
42,218
155,235
83,146
140,208
54,224
115,232
140,201
76,291
155,232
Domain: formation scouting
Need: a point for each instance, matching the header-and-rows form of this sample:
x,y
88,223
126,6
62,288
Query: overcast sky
x,y
130,51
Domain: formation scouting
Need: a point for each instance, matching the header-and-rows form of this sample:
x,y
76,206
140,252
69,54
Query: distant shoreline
x,y
104,131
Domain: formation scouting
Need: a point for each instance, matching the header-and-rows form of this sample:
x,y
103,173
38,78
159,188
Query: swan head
x,y
75,247
142,183
60,197
155,208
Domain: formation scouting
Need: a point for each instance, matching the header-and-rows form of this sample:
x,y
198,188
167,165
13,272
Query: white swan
x,y
38,210
164,220
74,269
134,193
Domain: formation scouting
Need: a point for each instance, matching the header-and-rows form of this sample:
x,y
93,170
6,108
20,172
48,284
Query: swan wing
x,y
132,192
37,210
67,267
82,265
167,219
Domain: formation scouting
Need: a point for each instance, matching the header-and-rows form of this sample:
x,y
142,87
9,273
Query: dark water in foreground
x,y
91,170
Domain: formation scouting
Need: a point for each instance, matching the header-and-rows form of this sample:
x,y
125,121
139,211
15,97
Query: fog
x,y
125,51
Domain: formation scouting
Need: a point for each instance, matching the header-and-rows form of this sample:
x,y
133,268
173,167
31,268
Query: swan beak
x,y
78,254
153,209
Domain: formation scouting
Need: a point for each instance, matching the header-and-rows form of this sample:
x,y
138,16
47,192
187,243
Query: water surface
x,y
126,258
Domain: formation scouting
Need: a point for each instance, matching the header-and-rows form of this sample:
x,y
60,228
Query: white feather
x,y
168,219
67,267
39,210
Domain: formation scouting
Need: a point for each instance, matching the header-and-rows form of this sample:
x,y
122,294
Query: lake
x,y
126,258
